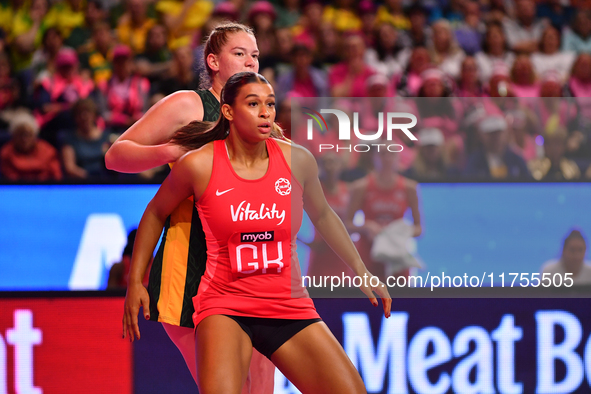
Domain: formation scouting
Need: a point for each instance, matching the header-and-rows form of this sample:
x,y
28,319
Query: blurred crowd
x,y
503,87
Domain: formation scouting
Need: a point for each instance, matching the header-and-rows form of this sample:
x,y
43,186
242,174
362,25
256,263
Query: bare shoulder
x,y
184,103
295,153
301,162
197,159
196,164
165,117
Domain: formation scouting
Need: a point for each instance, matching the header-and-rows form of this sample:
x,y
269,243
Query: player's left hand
x,y
381,290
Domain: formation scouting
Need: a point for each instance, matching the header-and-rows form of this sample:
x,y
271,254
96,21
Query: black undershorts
x,y
267,335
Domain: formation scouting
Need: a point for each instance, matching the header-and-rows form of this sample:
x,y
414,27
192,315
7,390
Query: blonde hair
x,y
20,119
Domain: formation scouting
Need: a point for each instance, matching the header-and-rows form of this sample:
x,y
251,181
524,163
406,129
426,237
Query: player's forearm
x,y
130,157
147,236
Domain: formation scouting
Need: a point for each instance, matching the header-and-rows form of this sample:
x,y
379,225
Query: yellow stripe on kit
x,y
174,264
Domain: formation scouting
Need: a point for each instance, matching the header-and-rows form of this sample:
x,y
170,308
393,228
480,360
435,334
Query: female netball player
x,y
384,196
180,261
251,204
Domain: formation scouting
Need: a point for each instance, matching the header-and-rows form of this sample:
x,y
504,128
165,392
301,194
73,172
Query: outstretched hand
x,y
381,290
136,296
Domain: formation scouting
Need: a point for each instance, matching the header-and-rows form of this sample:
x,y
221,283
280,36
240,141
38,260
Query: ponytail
x,y
199,133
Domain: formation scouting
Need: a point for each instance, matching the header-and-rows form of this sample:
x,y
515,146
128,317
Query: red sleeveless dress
x,y
250,228
383,205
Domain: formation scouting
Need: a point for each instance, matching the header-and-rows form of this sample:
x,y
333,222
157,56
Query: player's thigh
x,y
261,374
223,351
184,340
315,362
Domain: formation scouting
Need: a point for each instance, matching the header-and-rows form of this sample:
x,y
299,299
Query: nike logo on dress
x,y
219,193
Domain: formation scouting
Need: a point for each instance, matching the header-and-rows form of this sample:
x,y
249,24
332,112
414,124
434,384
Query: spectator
x,y
367,14
524,78
572,260
500,84
279,62
329,42
437,109
25,157
469,84
411,80
550,58
226,10
499,10
261,17
43,62
309,25
80,36
66,15
56,94
374,109
556,12
430,163
155,61
125,95
7,11
420,33
342,15
495,160
470,31
9,89
83,150
550,107
392,13
26,33
349,78
445,52
288,13
494,52
579,86
452,11
133,26
521,139
96,61
181,75
388,57
303,79
577,38
183,18
525,31
554,166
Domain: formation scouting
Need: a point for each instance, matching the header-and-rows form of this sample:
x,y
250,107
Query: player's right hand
x,y
136,296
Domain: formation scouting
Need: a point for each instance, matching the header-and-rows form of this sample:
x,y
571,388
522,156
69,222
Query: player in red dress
x,y
383,196
251,203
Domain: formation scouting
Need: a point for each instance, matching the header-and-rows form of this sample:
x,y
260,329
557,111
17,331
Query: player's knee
x,y
209,385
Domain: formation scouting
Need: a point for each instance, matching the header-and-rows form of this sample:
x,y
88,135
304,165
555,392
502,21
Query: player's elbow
x,y
109,160
112,158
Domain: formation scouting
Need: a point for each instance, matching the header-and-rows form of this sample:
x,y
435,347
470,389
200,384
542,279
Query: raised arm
x,y
182,183
145,144
330,226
